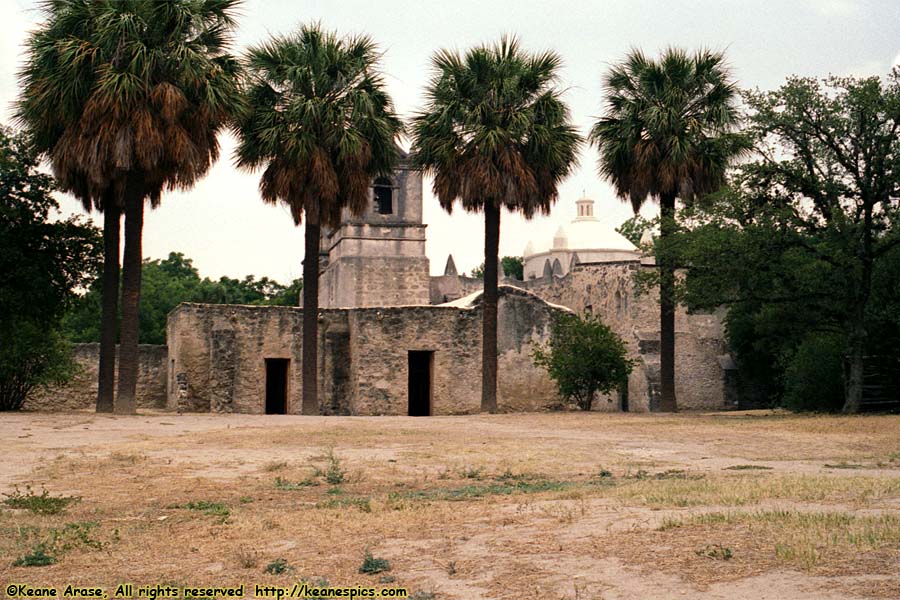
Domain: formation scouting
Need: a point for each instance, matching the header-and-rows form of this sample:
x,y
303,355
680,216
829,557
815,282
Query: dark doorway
x,y
420,383
276,385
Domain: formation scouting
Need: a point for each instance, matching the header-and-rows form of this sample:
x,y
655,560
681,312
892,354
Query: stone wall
x,y
369,281
81,391
608,290
218,352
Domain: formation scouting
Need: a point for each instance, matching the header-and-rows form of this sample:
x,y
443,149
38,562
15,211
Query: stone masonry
x,y
218,352
81,392
608,290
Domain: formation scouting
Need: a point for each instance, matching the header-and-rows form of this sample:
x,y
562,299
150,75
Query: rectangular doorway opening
x,y
420,383
276,385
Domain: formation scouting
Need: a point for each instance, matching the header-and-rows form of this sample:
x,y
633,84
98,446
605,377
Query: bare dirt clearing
x,y
543,506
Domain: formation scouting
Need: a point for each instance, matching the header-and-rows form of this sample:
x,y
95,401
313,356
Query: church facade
x,y
384,348
393,340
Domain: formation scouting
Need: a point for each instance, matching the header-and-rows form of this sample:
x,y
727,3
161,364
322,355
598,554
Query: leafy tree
x,y
42,263
584,356
288,295
805,238
496,134
633,229
667,134
512,266
322,126
812,373
126,99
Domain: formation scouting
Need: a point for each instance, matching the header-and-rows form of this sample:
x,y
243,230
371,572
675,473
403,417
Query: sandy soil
x,y
551,506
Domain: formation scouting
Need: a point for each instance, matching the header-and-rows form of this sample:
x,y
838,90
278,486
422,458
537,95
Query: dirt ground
x,y
560,506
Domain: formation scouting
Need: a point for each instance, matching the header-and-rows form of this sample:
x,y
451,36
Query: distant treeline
x,y
165,284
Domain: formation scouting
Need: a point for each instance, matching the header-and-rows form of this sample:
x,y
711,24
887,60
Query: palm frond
x,y
318,119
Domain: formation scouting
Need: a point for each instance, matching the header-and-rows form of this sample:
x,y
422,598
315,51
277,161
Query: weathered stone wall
x,y
381,341
81,391
523,321
217,356
368,281
608,290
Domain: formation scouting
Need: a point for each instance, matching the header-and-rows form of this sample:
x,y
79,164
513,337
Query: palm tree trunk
x,y
131,300
489,306
667,402
310,402
109,319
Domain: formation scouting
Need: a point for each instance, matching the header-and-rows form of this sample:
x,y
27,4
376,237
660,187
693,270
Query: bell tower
x,y
378,258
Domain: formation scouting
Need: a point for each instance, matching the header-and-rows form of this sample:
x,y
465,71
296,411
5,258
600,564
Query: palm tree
x,y
126,99
495,134
668,134
320,123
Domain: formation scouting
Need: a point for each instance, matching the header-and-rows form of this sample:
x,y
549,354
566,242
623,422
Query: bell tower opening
x,y
384,196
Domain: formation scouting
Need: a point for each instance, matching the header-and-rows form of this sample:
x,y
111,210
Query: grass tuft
x,y
372,565
216,509
279,566
43,504
288,486
37,557
747,468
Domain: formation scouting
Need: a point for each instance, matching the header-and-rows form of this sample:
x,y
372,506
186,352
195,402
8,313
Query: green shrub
x,y
584,356
279,566
813,375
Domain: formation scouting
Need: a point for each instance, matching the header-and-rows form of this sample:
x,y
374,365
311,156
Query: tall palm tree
x,y
320,123
495,134
126,99
668,134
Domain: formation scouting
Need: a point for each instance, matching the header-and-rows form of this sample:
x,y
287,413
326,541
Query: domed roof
x,y
593,234
585,233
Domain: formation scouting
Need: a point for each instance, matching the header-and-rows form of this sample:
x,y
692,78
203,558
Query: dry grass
x,y
507,506
858,492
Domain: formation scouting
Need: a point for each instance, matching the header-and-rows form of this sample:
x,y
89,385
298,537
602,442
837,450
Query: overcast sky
x,y
224,226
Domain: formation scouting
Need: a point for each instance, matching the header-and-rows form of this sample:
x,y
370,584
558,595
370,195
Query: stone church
x,y
395,341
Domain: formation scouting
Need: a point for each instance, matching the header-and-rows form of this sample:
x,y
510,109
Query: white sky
x,y
223,225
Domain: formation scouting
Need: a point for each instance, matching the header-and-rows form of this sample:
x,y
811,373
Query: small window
x,y
384,196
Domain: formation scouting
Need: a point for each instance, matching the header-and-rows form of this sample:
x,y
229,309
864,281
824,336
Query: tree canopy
x,y
803,244
513,266
43,262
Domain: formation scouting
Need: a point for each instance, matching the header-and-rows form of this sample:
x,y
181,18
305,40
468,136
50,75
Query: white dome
x,y
585,240
593,234
529,249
